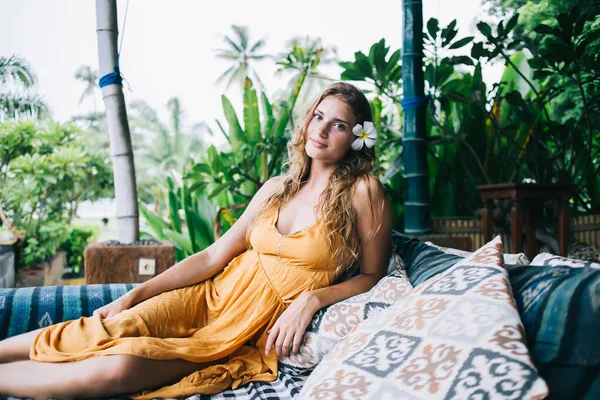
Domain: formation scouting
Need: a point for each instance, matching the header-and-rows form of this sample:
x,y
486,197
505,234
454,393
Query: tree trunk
x,y
416,171
118,127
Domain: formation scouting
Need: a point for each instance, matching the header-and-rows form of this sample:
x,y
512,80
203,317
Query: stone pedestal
x,y
48,273
112,262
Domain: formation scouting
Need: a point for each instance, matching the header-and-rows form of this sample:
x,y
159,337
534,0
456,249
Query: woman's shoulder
x,y
274,183
368,186
368,192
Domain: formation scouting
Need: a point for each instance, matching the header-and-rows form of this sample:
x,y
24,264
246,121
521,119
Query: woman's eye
x,y
318,116
341,127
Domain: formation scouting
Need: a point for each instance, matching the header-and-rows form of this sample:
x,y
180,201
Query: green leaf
x,y
466,60
485,30
449,33
433,27
512,22
197,187
363,64
214,159
236,134
268,115
461,43
182,241
202,168
218,189
156,223
352,75
281,122
189,218
478,51
251,115
545,30
379,52
393,62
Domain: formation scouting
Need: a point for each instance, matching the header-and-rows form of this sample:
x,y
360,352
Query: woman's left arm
x,y
286,334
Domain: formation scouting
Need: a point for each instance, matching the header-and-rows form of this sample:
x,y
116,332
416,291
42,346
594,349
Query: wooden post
x,y
416,207
118,127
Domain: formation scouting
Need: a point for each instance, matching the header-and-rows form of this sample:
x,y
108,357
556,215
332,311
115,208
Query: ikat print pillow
x,y
456,336
513,259
549,260
335,322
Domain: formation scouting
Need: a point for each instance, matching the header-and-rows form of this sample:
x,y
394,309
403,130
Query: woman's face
x,y
329,133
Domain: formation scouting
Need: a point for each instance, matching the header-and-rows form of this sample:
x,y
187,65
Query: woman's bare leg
x,y
16,348
91,378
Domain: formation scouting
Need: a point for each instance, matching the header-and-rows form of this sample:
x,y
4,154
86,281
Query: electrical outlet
x,y
147,266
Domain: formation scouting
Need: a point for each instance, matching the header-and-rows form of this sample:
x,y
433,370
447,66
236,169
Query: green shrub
x,y
48,241
74,245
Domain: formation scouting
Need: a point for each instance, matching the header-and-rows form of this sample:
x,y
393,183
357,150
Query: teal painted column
x,y
416,171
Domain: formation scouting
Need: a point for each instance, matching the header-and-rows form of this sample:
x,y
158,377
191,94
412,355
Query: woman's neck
x,y
318,176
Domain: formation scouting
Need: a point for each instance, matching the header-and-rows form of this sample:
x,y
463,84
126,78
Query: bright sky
x,y
168,47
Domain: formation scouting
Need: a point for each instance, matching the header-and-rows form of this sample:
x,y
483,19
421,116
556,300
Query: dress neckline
x,y
276,219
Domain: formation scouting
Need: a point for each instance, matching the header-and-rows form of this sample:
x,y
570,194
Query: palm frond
x,y
258,45
227,54
18,105
242,33
86,74
227,75
233,44
16,69
238,75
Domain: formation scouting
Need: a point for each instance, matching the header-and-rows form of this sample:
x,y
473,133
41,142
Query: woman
x,y
221,317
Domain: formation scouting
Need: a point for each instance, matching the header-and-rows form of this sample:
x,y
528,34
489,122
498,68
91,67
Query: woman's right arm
x,y
200,266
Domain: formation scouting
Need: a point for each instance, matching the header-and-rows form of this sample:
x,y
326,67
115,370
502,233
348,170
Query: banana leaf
x,y
251,115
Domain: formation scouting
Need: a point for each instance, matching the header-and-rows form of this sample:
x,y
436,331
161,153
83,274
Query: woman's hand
x,y
113,308
289,328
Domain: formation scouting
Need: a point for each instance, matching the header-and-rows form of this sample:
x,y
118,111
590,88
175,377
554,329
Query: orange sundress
x,y
226,316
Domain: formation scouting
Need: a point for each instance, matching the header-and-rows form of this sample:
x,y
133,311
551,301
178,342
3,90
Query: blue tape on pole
x,y
410,102
111,79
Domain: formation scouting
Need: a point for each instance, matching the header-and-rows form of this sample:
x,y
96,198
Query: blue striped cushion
x,y
422,261
27,309
560,309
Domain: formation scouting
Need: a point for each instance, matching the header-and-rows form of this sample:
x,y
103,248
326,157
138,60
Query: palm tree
x,y
241,53
16,72
303,58
166,146
90,77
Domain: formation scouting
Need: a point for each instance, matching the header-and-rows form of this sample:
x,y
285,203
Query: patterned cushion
x,y
335,322
560,309
549,259
26,309
422,261
458,335
514,259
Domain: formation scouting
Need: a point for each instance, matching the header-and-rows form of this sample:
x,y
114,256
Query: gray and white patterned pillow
x,y
510,258
550,260
457,335
332,324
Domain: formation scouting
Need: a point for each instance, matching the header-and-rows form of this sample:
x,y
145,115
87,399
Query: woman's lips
x,y
317,144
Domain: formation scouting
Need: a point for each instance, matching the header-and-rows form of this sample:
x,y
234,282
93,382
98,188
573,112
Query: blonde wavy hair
x,y
338,220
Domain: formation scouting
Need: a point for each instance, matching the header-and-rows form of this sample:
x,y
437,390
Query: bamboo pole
x,y
118,127
416,207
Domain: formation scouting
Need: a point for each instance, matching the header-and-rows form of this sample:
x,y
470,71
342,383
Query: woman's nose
x,y
323,129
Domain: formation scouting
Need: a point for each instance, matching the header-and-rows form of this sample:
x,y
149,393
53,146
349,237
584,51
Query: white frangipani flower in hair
x,y
366,135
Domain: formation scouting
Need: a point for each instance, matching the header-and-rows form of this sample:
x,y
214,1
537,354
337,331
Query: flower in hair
x,y
366,135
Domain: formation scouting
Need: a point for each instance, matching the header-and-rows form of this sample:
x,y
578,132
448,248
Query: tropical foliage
x,y
519,128
242,54
214,191
16,99
46,171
